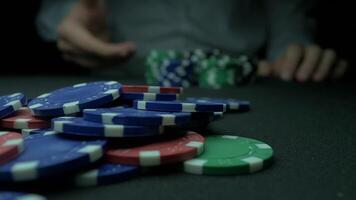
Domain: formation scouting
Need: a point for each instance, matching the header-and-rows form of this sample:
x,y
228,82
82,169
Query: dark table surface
x,y
312,129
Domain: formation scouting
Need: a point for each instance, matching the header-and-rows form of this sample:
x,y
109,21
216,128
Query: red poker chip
x,y
23,119
150,89
11,145
160,153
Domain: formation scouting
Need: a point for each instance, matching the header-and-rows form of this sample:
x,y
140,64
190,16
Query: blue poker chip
x,y
78,126
179,106
10,103
106,174
131,116
27,132
72,100
202,119
217,115
232,104
20,196
206,116
149,96
48,155
177,73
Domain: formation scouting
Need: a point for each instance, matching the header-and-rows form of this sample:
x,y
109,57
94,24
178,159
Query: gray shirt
x,y
234,26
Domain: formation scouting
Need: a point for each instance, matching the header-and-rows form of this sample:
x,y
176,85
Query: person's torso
x,y
233,26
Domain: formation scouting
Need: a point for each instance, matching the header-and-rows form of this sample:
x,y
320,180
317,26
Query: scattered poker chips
x,y
179,106
10,103
144,126
149,96
131,116
231,104
105,174
72,100
160,153
78,126
11,146
49,155
227,154
20,196
151,89
23,119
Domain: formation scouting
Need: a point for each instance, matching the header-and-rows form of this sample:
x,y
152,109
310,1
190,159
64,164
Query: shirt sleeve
x,y
50,16
288,21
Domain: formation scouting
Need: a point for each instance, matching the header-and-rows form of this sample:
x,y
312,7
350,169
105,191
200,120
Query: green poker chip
x,y
217,72
227,154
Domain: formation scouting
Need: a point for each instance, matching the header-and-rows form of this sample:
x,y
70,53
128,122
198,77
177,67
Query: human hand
x,y
83,37
304,63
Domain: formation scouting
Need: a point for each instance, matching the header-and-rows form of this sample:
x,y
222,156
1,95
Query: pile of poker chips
x,y
104,132
208,69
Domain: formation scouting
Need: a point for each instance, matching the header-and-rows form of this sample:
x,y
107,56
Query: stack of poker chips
x,y
100,133
208,69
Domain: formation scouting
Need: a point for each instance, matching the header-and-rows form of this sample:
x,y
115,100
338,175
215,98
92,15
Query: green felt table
x,y
311,127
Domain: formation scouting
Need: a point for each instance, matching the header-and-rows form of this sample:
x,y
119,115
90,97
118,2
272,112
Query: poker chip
x,y
72,100
170,68
201,120
217,115
160,153
27,132
151,89
224,71
78,126
206,116
148,96
11,146
231,104
227,154
178,73
105,174
131,116
179,106
49,155
10,103
204,119
20,196
206,68
23,119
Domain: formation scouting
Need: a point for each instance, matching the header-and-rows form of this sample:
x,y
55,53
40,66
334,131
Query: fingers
x,y
67,48
340,69
290,62
84,40
327,61
264,68
305,63
310,61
